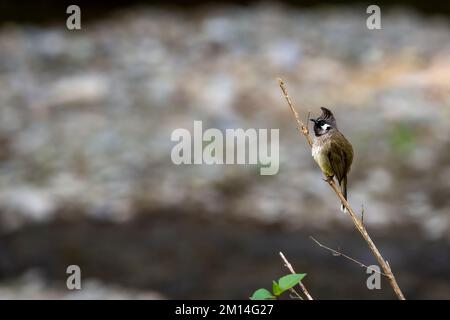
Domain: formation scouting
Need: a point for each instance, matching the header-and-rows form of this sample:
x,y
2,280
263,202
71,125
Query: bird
x,y
331,150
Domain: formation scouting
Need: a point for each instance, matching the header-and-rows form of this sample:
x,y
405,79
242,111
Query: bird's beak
x,y
313,120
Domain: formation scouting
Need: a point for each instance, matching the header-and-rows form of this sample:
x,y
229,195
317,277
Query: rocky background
x,y
86,176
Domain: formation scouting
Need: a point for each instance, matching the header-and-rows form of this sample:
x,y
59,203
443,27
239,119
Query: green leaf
x,y
276,289
289,281
262,294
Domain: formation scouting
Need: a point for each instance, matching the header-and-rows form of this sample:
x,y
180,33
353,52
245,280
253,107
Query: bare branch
x,y
338,253
358,223
296,294
301,126
362,214
289,266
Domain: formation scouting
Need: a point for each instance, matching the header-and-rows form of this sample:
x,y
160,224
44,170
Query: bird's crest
x,y
327,116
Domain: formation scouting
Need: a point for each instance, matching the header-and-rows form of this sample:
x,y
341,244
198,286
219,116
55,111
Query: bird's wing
x,y
340,160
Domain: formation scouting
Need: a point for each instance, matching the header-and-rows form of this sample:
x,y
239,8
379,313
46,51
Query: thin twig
x,y
362,214
338,253
289,266
307,120
301,126
297,295
358,224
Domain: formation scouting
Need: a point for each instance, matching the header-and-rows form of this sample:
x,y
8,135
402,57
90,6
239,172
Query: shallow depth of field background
x,y
85,170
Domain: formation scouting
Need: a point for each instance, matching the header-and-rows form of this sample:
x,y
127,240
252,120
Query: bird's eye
x,y
325,127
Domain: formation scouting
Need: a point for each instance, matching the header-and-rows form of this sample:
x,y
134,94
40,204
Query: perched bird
x,y
331,150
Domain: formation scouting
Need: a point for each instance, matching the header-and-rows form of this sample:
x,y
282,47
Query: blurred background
x,y
86,176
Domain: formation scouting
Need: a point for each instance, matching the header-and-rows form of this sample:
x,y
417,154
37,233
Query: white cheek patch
x,y
325,127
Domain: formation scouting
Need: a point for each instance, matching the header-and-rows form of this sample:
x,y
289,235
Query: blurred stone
x,y
83,89
32,286
25,205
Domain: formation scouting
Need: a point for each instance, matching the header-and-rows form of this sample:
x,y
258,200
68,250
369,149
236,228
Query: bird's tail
x,y
343,184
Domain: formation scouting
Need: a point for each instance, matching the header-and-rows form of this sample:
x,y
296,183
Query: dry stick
x,y
358,224
303,129
362,214
338,253
289,266
297,295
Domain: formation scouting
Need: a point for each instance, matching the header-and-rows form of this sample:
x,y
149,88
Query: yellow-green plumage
x,y
331,150
334,154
